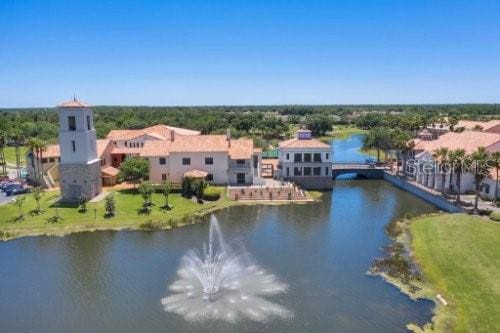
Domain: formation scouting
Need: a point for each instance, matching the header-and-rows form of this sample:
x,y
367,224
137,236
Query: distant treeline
x,y
263,121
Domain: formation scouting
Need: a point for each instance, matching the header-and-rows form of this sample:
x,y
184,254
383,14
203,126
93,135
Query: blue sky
x,y
249,52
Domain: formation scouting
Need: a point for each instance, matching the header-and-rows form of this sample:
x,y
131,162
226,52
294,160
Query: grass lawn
x,y
10,155
341,132
460,258
127,216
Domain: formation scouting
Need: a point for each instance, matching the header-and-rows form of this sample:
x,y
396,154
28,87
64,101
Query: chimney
x,y
172,135
228,137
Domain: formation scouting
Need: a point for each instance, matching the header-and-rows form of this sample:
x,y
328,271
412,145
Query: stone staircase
x,y
267,194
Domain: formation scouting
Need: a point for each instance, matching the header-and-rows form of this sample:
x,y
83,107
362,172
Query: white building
x,y
306,161
223,160
423,167
79,166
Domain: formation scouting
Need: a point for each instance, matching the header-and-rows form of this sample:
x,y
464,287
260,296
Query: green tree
x,y
378,138
165,191
3,141
109,205
83,204
481,170
186,187
496,160
199,187
36,193
19,203
399,142
146,191
133,169
457,160
441,156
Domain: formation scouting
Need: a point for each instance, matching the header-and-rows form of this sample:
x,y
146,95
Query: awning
x,y
195,174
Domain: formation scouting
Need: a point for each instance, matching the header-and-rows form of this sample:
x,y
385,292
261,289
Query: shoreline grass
x,y
128,216
458,258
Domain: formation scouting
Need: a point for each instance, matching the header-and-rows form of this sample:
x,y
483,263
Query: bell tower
x,y
80,167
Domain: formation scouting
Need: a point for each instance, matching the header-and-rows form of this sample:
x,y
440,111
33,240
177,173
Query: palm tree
x,y
33,148
42,146
399,141
3,140
496,159
458,160
441,155
17,136
480,164
378,138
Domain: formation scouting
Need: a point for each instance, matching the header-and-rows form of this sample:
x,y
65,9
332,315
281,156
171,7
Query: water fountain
x,y
222,282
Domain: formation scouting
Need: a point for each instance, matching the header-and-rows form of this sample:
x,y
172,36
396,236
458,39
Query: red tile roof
x,y
467,140
74,103
156,148
306,143
110,171
195,174
200,143
161,132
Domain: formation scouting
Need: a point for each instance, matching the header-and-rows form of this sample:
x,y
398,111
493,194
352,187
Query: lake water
x,y
114,281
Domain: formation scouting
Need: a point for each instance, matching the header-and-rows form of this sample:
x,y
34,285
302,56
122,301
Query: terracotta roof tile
x,y
51,151
155,148
468,140
306,143
74,103
110,171
132,151
195,174
241,149
200,143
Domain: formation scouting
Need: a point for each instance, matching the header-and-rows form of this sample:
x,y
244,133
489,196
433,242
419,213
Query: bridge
x,y
362,169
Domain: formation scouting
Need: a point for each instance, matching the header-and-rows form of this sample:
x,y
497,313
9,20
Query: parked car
x,y
371,162
15,190
5,185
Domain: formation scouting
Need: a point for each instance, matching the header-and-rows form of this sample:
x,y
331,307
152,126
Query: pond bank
x,y
128,214
451,255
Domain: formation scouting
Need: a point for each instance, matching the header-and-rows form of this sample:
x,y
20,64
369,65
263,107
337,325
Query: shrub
x,y
109,205
495,217
211,194
151,225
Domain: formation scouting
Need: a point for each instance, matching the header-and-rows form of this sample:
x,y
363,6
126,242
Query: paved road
x,y
4,199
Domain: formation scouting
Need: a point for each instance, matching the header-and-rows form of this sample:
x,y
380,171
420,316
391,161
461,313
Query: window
x,y
126,143
317,171
307,157
72,123
209,160
142,144
240,162
288,172
163,176
73,145
287,156
297,171
186,161
89,127
103,162
326,171
317,157
163,160
327,156
297,158
210,177
307,171
52,160
44,160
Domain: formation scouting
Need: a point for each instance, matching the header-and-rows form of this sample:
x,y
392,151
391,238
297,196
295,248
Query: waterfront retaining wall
x,y
434,199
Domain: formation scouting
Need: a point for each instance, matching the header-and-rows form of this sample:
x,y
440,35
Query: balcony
x,y
236,165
